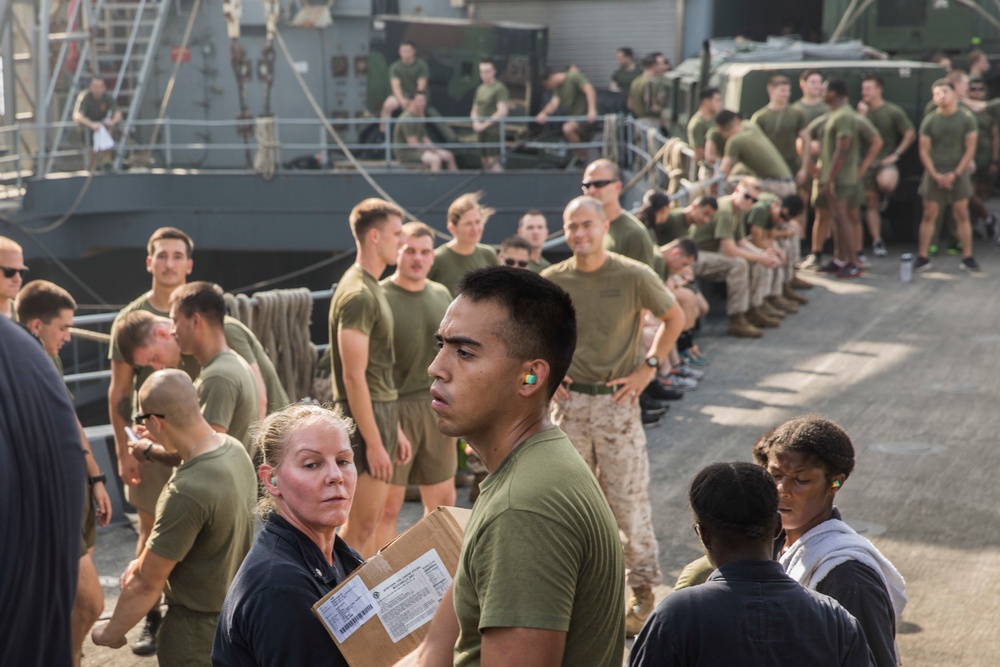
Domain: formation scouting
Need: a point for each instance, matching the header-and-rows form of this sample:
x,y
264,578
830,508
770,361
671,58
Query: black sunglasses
x,y
141,419
749,198
9,272
520,263
586,185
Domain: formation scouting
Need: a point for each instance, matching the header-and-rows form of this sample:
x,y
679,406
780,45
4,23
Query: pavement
x,y
909,370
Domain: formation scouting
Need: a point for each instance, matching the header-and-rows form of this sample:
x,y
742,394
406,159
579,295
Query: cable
x,y
65,216
296,273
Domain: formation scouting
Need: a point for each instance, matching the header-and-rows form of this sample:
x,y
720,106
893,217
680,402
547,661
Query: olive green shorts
x,y
929,190
185,638
490,135
434,457
387,422
89,533
846,193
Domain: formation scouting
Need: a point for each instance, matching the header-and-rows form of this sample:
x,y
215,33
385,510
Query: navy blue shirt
x,y
750,613
267,617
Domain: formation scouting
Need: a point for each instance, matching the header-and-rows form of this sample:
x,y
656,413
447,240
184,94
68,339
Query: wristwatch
x,y
652,361
98,478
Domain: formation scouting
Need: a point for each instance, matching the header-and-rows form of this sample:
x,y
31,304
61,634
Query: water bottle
x,y
906,267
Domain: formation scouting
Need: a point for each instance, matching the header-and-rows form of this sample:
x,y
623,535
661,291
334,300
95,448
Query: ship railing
x,y
184,143
678,172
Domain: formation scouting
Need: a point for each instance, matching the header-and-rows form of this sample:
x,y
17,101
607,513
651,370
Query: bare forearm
x,y
137,598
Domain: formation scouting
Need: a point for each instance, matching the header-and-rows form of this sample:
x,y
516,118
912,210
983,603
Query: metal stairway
x,y
124,37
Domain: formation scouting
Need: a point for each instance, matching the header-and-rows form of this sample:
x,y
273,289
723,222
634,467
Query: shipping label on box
x,y
381,612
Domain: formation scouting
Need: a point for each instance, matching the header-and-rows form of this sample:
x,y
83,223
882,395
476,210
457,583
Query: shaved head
x,y
171,393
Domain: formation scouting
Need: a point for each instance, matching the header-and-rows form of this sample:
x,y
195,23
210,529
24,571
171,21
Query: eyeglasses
x,y
597,185
9,272
141,419
519,263
752,200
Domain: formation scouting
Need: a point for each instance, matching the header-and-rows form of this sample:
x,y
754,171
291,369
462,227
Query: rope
x,y
267,147
280,319
610,147
95,336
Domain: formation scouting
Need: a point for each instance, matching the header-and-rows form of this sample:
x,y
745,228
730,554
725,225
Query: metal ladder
x,y
124,36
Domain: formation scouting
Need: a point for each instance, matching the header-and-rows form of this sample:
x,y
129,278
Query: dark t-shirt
x,y
41,486
267,617
95,109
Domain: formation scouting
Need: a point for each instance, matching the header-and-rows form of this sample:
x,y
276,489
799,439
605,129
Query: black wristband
x,y
102,478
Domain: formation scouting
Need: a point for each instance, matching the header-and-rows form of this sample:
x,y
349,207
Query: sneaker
x,y
970,264
810,263
850,271
658,392
651,420
933,250
863,261
145,643
879,249
833,266
686,371
921,264
690,359
651,405
679,383
954,250
991,226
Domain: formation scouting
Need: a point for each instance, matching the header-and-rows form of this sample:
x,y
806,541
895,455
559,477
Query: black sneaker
x,y
650,420
922,264
970,264
661,393
145,643
850,271
833,266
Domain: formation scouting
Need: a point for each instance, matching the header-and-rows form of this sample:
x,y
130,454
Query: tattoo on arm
x,y
124,408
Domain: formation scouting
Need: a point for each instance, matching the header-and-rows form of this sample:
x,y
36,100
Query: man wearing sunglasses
x,y
515,252
626,235
12,270
726,255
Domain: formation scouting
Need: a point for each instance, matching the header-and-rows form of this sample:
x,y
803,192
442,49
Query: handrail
x,y
172,128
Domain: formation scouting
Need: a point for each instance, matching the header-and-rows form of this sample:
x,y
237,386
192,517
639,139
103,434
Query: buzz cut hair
x,y
372,212
417,229
514,243
778,80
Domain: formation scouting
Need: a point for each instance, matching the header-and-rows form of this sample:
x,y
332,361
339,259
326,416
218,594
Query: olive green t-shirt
x,y
244,342
609,304
759,214
571,95
416,317
650,96
405,128
984,139
488,97
93,108
782,128
536,267
947,135
359,303
450,266
718,140
810,111
541,550
842,122
674,227
866,130
408,76
204,523
698,129
751,147
892,123
727,223
629,237
623,78
227,395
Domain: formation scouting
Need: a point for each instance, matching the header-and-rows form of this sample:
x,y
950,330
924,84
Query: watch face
x,y
653,362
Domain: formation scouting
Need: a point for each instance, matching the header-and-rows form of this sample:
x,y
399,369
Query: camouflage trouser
x,y
792,247
762,282
610,439
734,271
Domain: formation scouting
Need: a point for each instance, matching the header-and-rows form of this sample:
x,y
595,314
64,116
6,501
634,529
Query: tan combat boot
x,y
640,605
759,318
798,283
791,295
782,304
740,328
768,310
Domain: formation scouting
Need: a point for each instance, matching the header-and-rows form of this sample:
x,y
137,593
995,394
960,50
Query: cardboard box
x,y
380,613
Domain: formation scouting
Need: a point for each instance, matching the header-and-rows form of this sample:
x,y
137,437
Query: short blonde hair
x,y
271,438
